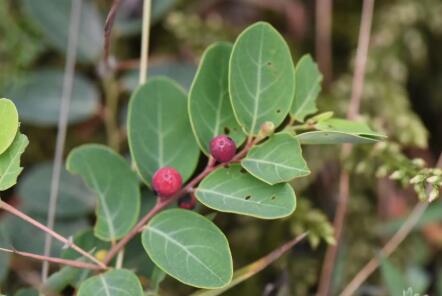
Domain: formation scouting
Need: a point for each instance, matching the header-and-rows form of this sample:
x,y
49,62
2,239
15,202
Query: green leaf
x,y
337,131
189,247
210,110
181,72
27,292
66,276
347,126
261,77
38,98
8,124
119,282
323,138
308,87
393,278
233,190
52,19
116,185
74,198
277,160
10,162
159,131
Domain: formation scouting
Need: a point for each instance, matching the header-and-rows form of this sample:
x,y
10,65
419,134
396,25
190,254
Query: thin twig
x,y
108,25
161,204
10,209
344,182
143,76
73,263
323,38
145,41
68,83
390,246
361,58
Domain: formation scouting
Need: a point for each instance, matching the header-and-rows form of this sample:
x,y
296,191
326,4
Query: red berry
x,y
223,148
167,181
187,202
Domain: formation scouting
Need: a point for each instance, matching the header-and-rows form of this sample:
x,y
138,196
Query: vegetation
x,y
238,148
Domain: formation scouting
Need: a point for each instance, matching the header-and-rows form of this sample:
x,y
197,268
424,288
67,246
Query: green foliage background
x,y
402,97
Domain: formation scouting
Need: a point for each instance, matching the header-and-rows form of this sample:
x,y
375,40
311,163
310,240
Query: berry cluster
x,y
167,181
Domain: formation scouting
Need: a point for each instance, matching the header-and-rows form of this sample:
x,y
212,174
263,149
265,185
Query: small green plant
x,y
249,111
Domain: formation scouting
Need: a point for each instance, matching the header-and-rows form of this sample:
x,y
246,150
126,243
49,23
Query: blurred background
x,y
402,97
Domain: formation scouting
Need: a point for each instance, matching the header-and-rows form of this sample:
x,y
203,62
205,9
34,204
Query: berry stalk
x,y
163,203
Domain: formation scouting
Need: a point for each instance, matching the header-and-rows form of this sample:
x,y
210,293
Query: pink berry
x,y
167,181
187,202
223,148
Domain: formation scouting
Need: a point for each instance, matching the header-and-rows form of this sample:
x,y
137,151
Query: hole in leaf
x,y
226,130
247,197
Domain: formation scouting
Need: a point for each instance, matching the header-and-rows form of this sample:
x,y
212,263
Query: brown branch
x,y
10,209
323,38
344,183
73,263
108,25
62,130
390,246
161,204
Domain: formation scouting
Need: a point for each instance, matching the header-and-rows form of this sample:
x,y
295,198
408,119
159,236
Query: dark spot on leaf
x,y
269,64
226,130
278,111
243,171
226,166
273,197
247,197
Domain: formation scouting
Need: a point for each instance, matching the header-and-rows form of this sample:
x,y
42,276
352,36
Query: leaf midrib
x,y
258,84
275,164
300,109
104,283
183,247
102,202
237,198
